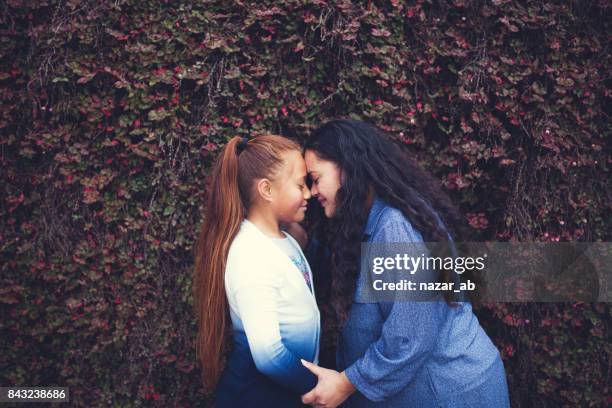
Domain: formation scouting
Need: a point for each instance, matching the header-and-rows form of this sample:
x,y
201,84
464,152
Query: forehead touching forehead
x,y
316,164
293,165
312,161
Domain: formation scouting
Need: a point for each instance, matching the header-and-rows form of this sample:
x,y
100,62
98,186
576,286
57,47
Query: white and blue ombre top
x,y
273,310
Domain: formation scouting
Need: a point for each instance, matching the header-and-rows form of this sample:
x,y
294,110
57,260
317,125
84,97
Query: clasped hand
x,y
332,389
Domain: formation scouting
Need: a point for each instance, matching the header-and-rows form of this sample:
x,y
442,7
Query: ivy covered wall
x,y
112,112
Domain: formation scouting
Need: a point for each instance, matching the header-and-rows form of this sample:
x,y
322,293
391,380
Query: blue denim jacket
x,y
422,354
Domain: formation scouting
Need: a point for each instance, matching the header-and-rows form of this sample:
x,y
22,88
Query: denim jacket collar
x,y
378,205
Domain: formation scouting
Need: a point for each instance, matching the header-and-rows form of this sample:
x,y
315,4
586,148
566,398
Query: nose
x,y
307,193
313,190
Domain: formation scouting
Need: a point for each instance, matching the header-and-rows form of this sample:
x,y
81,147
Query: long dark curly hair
x,y
368,158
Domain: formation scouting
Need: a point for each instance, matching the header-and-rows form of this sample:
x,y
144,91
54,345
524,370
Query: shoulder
x,y
250,256
393,226
245,243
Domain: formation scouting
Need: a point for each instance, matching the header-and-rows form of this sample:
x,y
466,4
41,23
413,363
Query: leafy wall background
x,y
112,113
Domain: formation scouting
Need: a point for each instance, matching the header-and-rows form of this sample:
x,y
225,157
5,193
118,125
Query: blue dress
x,y
416,353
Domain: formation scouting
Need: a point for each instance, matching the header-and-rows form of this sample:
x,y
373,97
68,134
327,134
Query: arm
x,y
257,306
391,362
409,332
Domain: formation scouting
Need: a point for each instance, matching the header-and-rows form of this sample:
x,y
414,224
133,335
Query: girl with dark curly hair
x,y
401,353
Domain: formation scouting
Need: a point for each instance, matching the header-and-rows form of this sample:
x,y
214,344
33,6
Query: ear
x,y
264,189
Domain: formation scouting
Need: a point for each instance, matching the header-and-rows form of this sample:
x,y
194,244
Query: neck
x,y
265,221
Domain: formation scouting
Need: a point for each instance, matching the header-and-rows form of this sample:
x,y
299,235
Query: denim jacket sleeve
x,y
409,332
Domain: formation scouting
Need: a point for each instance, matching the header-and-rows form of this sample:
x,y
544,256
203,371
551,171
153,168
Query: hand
x,y
331,390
